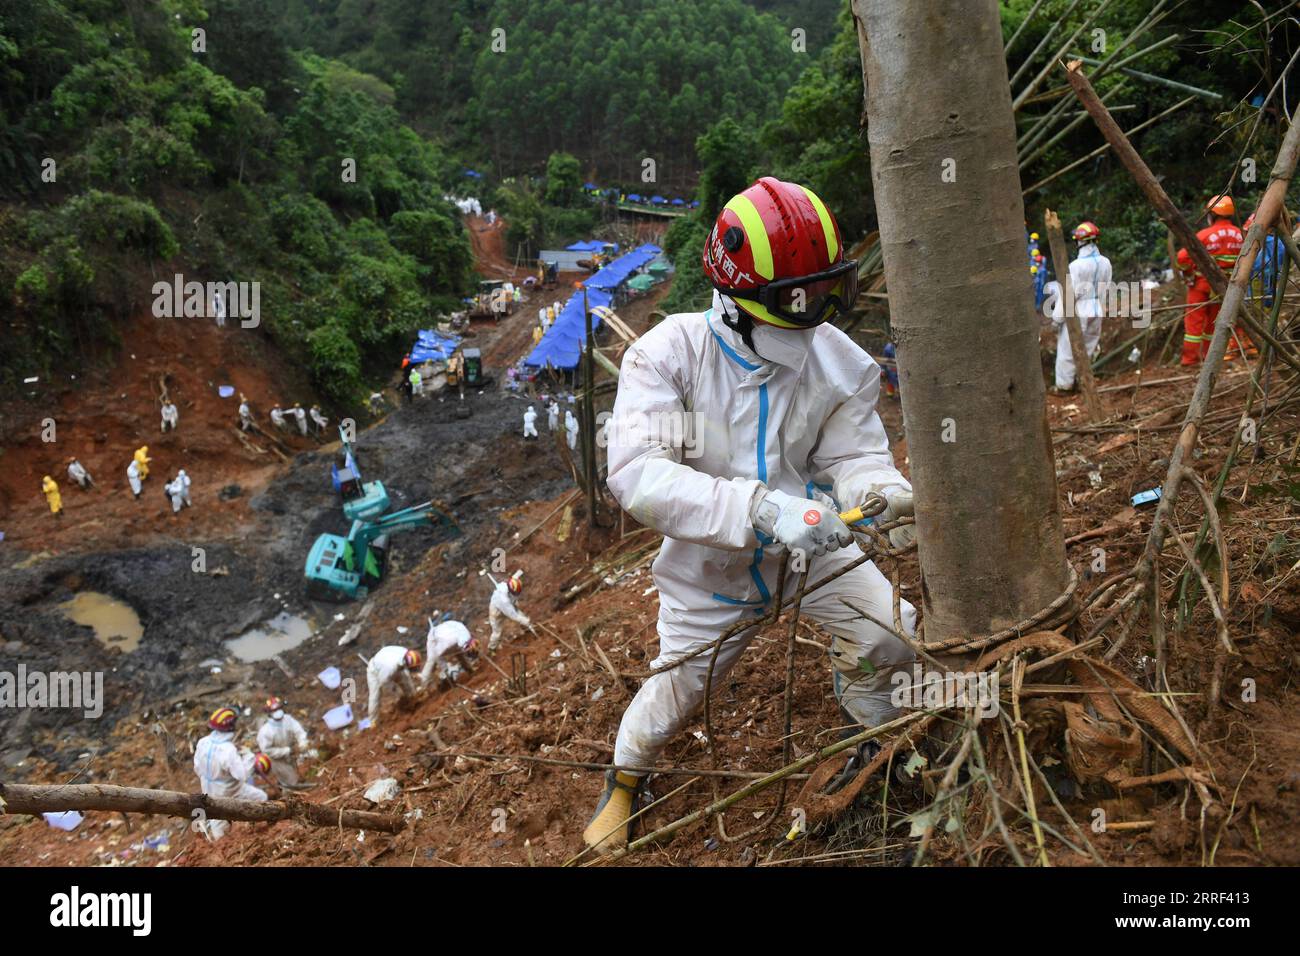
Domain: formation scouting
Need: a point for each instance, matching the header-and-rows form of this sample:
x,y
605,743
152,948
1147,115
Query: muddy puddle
x,y
115,623
281,633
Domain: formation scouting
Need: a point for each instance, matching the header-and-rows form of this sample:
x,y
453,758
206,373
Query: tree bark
x,y
961,308
24,798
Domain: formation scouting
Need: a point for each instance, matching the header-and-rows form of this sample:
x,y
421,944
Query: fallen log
x,y
37,799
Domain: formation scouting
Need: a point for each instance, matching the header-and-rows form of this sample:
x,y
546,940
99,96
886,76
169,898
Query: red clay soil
x,y
101,417
513,811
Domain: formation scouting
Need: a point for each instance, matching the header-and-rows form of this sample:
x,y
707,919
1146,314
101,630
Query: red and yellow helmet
x,y
1222,206
262,764
515,585
273,704
776,249
223,718
1085,231
412,660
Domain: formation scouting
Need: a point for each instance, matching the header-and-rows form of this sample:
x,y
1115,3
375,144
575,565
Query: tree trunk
x,y
961,309
24,798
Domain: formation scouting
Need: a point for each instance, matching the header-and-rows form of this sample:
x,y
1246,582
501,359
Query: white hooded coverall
x,y
278,738
245,416
530,422
388,664
79,474
702,428
501,606
170,416
441,639
571,427
553,416
301,417
133,476
1090,278
176,492
223,771
319,420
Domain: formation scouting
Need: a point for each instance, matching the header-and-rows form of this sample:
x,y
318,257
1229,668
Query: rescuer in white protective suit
x,y
224,769
282,738
730,429
502,606
1090,276
530,422
391,664
443,639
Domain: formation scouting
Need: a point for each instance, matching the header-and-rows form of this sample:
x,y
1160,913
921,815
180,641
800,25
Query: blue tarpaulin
x,y
431,345
561,347
617,272
586,245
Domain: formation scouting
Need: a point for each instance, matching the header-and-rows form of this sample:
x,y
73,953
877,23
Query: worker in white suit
x,y
133,478
449,638
777,408
77,473
530,422
245,414
553,415
298,414
170,416
502,606
1090,276
219,309
318,419
223,769
571,429
392,664
282,738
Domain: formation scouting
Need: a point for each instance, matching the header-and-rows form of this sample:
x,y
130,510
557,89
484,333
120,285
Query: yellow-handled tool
x,y
873,506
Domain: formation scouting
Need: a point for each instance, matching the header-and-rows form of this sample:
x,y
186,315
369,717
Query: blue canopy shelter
x,y
562,345
586,245
617,272
634,197
679,202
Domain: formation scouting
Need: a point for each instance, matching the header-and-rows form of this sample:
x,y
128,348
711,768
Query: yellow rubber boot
x,y
608,829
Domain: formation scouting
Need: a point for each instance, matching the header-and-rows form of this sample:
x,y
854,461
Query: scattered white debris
x,y
383,790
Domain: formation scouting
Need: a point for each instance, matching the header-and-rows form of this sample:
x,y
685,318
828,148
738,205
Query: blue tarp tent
x,y
634,197
679,202
617,272
431,345
586,245
561,347
658,199
473,174
588,185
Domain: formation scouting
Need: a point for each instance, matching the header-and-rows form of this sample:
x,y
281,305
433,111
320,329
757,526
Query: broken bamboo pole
x,y
1074,328
37,799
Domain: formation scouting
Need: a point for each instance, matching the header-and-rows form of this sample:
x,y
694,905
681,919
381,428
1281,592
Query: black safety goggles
x,y
807,301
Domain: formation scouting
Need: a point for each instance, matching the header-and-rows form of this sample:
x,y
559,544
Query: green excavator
x,y
346,568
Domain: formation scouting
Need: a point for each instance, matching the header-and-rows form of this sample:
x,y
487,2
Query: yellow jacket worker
x,y
142,460
52,495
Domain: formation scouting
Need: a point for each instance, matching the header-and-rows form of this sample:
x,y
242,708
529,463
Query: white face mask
x,y
784,346
277,715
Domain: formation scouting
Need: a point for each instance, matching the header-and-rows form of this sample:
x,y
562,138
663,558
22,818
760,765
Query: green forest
x,y
214,137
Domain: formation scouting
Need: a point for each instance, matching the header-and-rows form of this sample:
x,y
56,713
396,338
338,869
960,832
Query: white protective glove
x,y
801,524
898,504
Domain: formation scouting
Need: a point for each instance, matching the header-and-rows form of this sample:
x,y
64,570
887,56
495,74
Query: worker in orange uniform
x,y
1222,239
